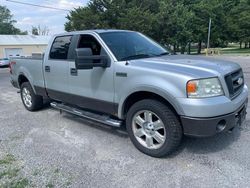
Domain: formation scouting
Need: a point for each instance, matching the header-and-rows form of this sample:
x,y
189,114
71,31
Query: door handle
x,y
47,68
73,72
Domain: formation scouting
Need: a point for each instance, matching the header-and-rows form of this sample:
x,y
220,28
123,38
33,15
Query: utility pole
x,y
208,37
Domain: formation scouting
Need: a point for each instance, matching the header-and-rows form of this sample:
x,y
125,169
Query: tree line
x,y
178,23
7,23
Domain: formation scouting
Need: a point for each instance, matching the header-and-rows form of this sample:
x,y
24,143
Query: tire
x,y
153,128
31,101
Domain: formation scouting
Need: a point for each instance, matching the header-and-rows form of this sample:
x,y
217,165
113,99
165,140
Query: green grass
x,y
36,172
57,171
49,185
20,183
235,51
8,159
68,183
13,182
10,173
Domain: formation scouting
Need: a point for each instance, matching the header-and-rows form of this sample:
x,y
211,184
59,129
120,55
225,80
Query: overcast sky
x,y
28,16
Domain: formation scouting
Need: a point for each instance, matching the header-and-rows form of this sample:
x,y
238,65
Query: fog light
x,y
221,125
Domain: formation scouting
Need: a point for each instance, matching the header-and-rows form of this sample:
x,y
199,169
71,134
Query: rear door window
x,y
60,47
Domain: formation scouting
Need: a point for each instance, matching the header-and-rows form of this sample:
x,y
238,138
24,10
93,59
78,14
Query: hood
x,y
195,66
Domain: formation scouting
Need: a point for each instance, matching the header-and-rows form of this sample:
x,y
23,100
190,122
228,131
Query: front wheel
x,y
31,101
153,128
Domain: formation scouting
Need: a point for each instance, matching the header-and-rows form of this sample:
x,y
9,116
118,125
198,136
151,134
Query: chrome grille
x,y
235,83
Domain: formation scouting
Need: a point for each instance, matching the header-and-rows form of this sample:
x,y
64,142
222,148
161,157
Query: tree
x,y
34,31
165,21
174,22
7,23
239,22
39,30
117,14
84,18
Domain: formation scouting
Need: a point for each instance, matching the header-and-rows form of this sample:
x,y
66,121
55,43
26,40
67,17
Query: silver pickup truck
x,y
121,77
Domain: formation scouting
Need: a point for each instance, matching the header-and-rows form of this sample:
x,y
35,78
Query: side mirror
x,y
85,59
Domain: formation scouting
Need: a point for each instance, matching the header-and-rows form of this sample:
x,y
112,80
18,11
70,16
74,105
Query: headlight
x,y
201,88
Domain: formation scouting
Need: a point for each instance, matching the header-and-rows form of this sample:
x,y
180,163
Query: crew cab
x,y
123,78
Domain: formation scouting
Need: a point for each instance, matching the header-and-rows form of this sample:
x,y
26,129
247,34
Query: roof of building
x,y
24,40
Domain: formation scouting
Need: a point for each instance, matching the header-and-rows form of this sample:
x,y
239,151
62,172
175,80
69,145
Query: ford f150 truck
x,y
119,77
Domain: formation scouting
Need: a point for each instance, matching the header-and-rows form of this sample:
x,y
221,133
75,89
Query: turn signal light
x,y
191,87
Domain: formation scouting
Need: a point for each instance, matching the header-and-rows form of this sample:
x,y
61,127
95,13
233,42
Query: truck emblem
x,y
121,74
239,81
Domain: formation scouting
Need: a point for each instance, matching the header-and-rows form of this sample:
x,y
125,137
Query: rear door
x,y
56,67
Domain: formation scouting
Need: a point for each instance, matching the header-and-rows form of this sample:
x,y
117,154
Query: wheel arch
x,y
136,96
23,78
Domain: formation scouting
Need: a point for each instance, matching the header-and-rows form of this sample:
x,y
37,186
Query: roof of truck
x,y
95,31
109,30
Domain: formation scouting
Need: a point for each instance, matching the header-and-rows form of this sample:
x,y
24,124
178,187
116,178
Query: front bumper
x,y
204,127
211,107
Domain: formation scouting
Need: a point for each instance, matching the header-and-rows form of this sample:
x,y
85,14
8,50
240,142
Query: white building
x,y
22,45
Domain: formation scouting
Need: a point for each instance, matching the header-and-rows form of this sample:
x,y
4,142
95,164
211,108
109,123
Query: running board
x,y
105,119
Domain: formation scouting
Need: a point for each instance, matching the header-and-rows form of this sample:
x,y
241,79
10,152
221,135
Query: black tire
x,y
37,101
173,128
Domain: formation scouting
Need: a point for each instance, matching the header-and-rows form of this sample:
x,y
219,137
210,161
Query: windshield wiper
x,y
138,56
164,53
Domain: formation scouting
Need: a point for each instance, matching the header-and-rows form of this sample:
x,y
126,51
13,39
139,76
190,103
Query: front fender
x,y
157,86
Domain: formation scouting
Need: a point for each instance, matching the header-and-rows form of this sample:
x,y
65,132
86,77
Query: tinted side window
x,y
88,41
60,47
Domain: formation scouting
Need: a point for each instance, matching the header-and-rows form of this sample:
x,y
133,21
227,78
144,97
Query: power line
x,y
35,5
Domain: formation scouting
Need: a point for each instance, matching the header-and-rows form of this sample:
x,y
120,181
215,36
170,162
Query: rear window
x,y
60,47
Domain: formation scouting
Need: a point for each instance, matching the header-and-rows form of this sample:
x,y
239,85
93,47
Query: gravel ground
x,y
49,149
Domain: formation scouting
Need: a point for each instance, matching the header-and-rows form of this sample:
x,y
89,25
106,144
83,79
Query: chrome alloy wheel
x,y
148,129
26,97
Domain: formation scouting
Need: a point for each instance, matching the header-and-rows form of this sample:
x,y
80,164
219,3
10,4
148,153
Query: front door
x,y
92,88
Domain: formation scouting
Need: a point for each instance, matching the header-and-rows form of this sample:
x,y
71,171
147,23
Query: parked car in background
x,y
4,62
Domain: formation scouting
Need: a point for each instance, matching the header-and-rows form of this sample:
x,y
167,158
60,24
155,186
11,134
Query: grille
x,y
235,83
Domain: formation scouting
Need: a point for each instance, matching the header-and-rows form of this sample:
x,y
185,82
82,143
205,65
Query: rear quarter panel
x,y
31,68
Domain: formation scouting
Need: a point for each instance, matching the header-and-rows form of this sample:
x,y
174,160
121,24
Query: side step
x,y
105,119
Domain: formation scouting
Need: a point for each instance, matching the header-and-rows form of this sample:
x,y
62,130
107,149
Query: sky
x,y
28,16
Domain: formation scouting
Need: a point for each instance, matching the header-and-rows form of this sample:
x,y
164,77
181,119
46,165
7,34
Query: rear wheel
x,y
153,128
31,101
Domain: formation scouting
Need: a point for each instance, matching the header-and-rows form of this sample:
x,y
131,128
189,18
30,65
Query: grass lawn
x,y
231,49
226,51
235,51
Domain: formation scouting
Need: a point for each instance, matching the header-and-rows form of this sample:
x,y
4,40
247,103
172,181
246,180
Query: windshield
x,y
132,45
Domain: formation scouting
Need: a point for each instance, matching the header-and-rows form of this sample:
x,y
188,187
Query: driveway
x,y
49,149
